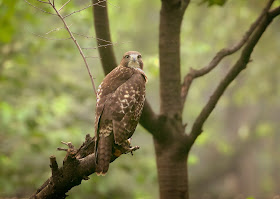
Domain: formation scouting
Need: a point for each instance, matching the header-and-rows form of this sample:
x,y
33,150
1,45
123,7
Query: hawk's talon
x,y
131,149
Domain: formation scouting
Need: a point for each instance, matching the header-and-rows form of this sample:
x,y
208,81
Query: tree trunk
x,y
171,161
172,172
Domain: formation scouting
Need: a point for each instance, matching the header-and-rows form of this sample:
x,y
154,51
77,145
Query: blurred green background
x,y
46,97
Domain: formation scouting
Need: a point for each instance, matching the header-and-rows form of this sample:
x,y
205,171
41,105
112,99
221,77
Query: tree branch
x,y
102,30
220,55
77,166
64,5
274,12
149,120
231,75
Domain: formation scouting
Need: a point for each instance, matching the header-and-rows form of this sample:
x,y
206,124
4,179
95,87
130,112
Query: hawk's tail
x,y
104,152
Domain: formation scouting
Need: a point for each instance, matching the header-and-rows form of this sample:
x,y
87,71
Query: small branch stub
x,y
53,165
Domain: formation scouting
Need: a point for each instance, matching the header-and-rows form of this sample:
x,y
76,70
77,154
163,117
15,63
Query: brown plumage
x,y
120,100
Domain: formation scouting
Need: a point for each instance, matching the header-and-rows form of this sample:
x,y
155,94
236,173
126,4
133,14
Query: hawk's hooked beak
x,y
133,62
133,57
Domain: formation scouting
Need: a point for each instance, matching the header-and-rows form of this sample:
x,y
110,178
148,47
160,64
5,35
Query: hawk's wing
x,y
105,90
126,105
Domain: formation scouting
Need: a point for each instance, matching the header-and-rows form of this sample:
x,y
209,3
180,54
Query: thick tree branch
x,y
77,166
231,75
274,12
220,55
102,29
149,120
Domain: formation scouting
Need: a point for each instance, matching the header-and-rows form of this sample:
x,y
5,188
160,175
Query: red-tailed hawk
x,y
120,100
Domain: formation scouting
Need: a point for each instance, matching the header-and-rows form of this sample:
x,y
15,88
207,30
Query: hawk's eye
x,y
139,56
127,56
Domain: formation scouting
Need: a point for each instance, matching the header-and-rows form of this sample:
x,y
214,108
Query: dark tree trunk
x,y
172,171
171,161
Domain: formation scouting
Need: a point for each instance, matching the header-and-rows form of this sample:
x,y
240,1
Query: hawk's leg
x,y
123,148
126,146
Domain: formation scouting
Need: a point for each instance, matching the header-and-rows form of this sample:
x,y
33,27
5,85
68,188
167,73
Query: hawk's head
x,y
132,59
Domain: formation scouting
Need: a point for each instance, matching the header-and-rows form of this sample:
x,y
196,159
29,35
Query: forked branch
x,y
220,55
40,8
232,74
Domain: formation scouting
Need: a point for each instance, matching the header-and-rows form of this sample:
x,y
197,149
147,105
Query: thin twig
x,y
113,4
64,5
77,44
39,8
90,37
104,45
43,2
100,5
48,38
100,46
56,29
83,8
220,55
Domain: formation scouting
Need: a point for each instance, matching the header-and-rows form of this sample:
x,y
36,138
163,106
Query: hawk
x,y
119,104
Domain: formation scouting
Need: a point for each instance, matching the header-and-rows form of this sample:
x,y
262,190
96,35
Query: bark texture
x,y
103,35
171,160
